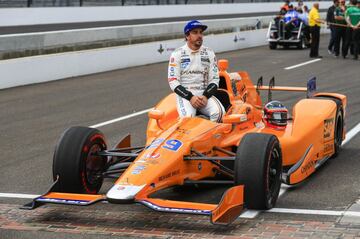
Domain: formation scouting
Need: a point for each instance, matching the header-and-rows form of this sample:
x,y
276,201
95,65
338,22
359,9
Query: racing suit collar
x,y
188,49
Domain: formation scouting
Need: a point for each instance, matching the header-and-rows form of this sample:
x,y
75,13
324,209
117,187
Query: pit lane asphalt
x,y
33,117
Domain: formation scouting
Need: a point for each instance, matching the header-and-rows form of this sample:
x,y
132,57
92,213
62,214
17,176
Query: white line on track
x,y
302,64
254,213
351,134
315,212
18,195
120,118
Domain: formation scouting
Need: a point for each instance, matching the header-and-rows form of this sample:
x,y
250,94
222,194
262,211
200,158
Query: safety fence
x,y
30,44
72,3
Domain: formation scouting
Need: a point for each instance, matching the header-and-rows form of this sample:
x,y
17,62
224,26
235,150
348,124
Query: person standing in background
x,y
286,5
352,17
304,17
329,20
315,25
348,34
340,31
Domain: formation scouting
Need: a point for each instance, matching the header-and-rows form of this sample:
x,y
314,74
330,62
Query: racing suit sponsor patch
x,y
184,65
172,79
184,60
182,107
203,53
193,72
205,59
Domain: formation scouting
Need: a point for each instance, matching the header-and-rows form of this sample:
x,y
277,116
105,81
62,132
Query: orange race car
x,y
253,150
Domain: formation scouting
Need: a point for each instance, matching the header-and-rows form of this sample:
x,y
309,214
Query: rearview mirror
x,y
156,114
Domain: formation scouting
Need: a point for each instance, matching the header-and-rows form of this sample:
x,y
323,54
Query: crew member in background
x,y
291,20
330,19
315,24
340,28
300,4
348,33
193,75
286,5
352,17
304,17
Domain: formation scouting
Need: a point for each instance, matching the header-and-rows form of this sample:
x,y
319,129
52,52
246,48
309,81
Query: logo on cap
x,y
192,25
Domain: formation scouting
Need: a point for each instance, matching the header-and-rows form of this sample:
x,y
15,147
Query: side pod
x,y
302,169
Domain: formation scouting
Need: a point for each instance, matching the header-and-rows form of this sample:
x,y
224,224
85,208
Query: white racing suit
x,y
195,73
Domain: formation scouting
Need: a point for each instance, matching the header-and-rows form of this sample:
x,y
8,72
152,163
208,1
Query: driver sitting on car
x,y
193,75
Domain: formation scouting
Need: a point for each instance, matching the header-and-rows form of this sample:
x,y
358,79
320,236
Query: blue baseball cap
x,y
192,25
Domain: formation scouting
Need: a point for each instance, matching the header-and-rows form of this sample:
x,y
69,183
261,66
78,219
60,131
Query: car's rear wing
x,y
310,89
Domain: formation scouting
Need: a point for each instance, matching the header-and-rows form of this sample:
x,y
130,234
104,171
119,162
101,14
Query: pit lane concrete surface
x,y
33,117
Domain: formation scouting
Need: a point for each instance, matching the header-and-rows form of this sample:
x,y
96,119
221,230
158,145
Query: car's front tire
x,y
301,44
258,166
74,162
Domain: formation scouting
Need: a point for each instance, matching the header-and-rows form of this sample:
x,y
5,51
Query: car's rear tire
x,y
339,123
79,171
338,130
258,166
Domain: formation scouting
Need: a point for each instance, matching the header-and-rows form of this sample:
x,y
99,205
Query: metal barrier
x,y
30,44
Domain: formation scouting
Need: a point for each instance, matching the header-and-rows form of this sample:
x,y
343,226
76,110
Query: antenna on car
x,y
271,85
259,84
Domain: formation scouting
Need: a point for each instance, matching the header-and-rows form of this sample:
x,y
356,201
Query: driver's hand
x,y
204,101
196,102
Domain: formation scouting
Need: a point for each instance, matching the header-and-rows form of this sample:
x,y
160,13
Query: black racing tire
x,y
272,45
258,166
338,130
301,44
339,123
79,171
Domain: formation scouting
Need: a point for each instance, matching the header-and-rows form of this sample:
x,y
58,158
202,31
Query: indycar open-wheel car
x,y
248,152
